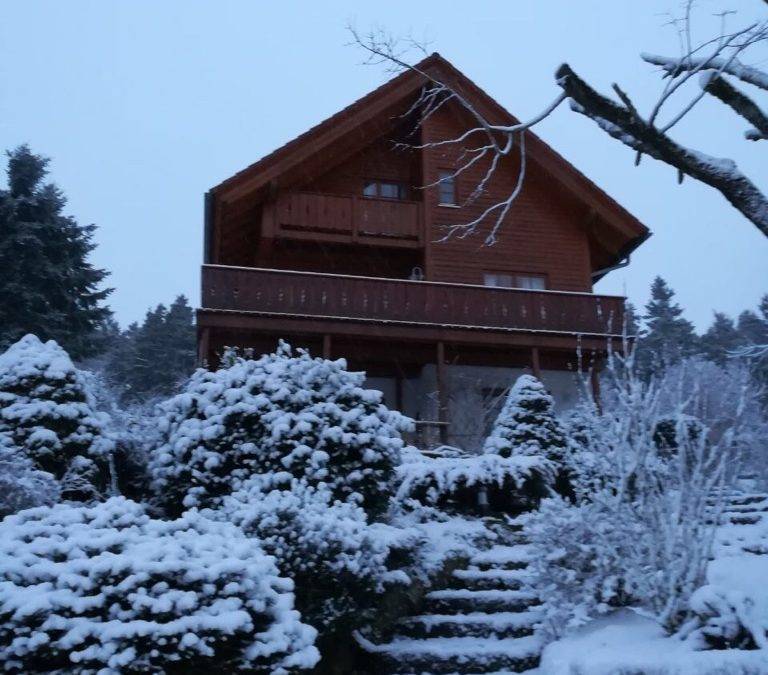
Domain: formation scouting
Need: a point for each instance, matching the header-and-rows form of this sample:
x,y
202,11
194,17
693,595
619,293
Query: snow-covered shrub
x,y
654,502
22,485
724,619
577,561
527,426
107,589
47,409
281,412
511,483
336,557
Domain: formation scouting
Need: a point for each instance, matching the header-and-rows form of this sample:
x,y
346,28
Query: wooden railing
x,y
415,302
345,217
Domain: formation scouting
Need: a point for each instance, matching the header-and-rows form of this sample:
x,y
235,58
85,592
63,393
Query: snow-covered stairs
x,y
743,508
481,622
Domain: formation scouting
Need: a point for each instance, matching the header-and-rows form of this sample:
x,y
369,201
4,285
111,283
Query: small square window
x,y
447,188
371,189
384,189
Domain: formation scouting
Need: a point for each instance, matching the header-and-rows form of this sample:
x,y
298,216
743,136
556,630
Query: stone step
x,y
491,578
461,601
742,498
473,624
741,518
502,557
460,655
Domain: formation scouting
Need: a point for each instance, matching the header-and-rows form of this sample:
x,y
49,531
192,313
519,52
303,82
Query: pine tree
x,y
44,265
48,412
151,360
527,425
668,337
720,339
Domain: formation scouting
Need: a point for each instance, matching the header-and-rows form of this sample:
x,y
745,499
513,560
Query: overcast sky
x,y
144,105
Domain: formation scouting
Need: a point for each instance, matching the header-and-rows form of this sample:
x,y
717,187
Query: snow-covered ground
x,y
626,643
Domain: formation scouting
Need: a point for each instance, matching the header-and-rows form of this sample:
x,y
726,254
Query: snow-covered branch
x,y
625,124
740,103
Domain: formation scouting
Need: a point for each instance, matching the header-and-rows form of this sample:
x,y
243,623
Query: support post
x,y
535,363
326,346
203,345
442,402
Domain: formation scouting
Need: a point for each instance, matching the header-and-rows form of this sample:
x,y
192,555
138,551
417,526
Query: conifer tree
x,y
668,337
44,268
48,412
527,425
720,339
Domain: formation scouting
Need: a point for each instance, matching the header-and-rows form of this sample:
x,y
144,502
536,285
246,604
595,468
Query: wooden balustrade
x,y
307,294
348,218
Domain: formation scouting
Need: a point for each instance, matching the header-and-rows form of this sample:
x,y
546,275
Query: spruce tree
x,y
48,412
48,286
721,339
527,425
668,337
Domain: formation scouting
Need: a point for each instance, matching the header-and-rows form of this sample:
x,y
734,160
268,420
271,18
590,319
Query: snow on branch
x,y
740,103
748,74
624,123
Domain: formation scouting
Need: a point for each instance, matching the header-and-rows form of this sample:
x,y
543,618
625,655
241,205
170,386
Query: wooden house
x,y
333,243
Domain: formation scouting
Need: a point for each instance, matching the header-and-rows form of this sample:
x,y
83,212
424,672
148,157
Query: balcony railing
x,y
346,218
309,294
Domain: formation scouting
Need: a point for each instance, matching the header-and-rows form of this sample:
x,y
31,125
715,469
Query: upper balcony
x,y
413,308
352,219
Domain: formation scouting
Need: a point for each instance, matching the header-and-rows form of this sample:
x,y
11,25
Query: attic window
x,y
383,189
446,188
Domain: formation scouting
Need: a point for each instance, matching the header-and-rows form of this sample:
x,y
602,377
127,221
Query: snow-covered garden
x,y
270,517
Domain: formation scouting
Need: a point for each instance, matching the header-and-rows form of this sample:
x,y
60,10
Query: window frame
x,y
402,189
515,278
454,184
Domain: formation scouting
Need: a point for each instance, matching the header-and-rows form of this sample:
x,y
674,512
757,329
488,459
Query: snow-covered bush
x,y
724,619
650,501
511,483
527,427
337,559
22,485
282,412
107,589
47,409
578,561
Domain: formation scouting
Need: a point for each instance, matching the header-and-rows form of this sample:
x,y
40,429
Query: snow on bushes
x,y
510,482
527,426
578,562
282,412
108,589
22,486
48,411
724,619
337,559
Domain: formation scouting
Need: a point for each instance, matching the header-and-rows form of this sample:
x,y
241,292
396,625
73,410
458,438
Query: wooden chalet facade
x,y
331,243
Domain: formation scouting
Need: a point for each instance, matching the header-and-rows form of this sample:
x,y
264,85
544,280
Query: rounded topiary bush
x,y
307,416
48,410
107,589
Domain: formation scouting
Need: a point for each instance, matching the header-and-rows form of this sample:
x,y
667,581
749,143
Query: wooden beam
x,y
326,346
203,345
442,400
535,363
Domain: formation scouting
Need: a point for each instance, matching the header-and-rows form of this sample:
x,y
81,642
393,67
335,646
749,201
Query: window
x,y
532,282
384,189
447,188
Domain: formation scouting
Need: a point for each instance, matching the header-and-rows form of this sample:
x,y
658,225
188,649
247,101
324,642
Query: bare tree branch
x,y
625,125
748,74
740,103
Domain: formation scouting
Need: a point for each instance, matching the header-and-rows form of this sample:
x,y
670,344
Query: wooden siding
x,y
542,233
301,294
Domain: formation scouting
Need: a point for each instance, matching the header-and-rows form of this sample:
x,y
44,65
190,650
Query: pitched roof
x,y
397,91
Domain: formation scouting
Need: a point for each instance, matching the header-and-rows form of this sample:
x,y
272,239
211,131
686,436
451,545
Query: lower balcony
x,y
417,309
